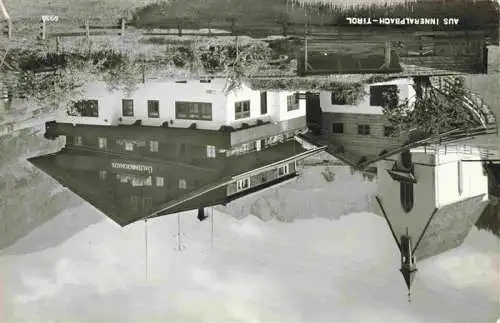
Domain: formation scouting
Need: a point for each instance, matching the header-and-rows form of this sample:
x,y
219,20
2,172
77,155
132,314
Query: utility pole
x,y
146,246
212,224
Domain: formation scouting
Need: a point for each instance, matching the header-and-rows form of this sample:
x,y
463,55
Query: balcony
x,y
243,135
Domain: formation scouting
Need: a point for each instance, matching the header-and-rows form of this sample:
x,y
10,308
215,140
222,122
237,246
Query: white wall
x,y
276,106
406,91
287,115
109,106
437,186
168,92
474,181
243,94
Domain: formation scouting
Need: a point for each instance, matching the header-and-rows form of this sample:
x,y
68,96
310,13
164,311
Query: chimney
x,y
387,61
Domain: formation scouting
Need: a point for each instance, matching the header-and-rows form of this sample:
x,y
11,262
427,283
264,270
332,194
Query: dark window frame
x,y
242,109
127,110
389,131
377,93
292,102
87,108
337,128
201,111
155,104
263,103
336,100
406,194
364,129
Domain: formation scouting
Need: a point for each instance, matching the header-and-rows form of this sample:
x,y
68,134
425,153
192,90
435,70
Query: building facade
x,y
361,130
201,103
132,171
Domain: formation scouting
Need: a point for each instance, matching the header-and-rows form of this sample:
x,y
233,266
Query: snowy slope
x,y
308,271
81,267
309,196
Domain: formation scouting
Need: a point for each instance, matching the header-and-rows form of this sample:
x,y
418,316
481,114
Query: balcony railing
x,y
452,149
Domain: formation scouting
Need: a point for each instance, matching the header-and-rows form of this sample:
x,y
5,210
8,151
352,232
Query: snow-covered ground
x,y
314,270
79,266
320,192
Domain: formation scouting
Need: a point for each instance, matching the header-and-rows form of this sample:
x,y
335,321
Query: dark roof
x,y
78,170
219,138
449,226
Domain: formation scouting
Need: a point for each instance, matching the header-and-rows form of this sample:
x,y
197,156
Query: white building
x,y
179,104
354,132
431,197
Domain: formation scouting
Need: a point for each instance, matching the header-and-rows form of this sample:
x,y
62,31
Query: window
x,y
160,181
102,175
364,129
283,170
337,128
78,141
378,94
405,159
182,150
263,103
153,146
242,184
147,203
406,196
389,131
182,184
460,177
153,108
338,99
87,108
211,153
103,143
292,102
193,110
258,145
242,110
127,108
134,201
129,146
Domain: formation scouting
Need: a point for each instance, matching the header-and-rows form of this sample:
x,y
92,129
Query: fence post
x,y
123,27
305,50
9,31
87,29
43,30
233,27
179,28
285,28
